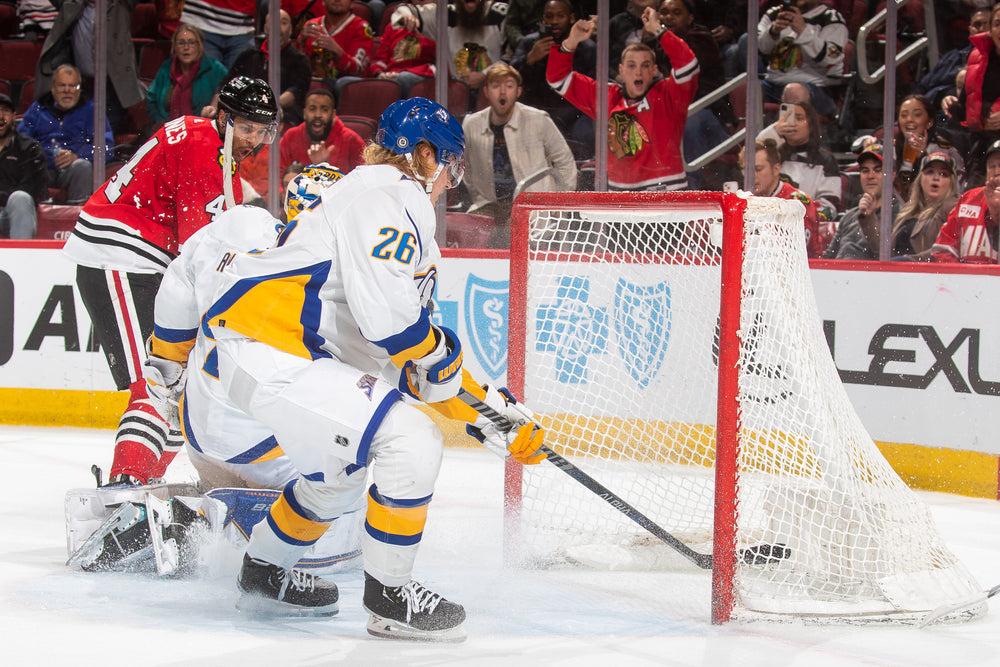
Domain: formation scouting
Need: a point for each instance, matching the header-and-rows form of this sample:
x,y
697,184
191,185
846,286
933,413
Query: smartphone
x,y
544,30
786,114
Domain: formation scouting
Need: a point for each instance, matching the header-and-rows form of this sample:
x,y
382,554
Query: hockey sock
x,y
142,436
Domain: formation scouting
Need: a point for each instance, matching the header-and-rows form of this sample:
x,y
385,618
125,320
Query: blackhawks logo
x,y
626,135
786,55
235,166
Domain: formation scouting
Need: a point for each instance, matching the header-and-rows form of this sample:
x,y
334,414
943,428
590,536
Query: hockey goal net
x,y
671,345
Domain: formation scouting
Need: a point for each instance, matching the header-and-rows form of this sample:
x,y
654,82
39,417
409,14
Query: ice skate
x,y
412,612
267,588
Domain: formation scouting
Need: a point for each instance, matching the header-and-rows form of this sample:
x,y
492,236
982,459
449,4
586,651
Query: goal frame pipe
x,y
732,207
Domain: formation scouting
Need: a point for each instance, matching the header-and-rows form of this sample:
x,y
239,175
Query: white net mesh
x,y
621,364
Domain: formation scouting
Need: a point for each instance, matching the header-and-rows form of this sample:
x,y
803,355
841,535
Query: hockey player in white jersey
x,y
312,338
228,448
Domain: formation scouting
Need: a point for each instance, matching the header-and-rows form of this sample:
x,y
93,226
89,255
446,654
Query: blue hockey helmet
x,y
405,123
306,187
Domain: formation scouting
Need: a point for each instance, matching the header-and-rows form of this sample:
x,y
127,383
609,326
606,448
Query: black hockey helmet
x,y
249,98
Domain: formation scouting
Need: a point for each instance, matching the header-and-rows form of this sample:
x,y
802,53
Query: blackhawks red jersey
x,y
171,188
357,40
970,232
644,135
814,242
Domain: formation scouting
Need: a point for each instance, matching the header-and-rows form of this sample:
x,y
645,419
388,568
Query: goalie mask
x,y
305,188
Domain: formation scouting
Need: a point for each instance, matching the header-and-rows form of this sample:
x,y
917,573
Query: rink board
x,y
916,346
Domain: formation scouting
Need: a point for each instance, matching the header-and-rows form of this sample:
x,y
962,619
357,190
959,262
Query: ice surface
x,y
52,615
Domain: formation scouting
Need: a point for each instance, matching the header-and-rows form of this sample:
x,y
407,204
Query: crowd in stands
x,y
523,75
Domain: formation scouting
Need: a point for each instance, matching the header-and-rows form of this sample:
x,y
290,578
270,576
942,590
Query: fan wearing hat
x,y
969,234
857,234
22,177
932,197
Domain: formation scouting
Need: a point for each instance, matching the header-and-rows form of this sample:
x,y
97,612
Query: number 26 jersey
x,y
171,188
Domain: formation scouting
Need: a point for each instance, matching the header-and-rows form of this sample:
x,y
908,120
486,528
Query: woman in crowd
x,y
767,183
810,165
186,82
933,196
916,136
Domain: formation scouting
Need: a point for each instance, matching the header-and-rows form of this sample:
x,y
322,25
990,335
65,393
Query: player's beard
x,y
323,133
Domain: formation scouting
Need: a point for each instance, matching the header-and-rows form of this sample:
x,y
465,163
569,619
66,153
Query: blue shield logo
x,y
642,325
486,306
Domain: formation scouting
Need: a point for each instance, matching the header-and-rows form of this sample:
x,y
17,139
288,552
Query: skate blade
x,y
256,605
387,628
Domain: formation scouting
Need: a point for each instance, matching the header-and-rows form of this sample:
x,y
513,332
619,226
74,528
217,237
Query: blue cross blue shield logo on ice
x,y
642,327
486,306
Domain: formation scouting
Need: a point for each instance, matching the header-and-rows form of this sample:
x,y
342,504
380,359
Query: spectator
x,y
977,107
523,17
727,22
919,222
404,56
475,40
646,115
810,165
793,93
294,79
186,82
530,60
805,42
506,143
227,26
704,130
168,16
915,136
940,80
627,28
768,183
858,233
339,43
71,41
969,234
322,137
35,18
63,123
22,177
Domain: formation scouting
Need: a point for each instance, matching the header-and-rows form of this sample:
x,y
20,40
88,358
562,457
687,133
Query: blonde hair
x,y
920,207
501,71
423,167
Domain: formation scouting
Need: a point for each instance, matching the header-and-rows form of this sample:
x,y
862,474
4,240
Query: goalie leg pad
x,y
122,542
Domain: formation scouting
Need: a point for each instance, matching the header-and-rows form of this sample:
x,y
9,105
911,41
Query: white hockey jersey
x,y
350,279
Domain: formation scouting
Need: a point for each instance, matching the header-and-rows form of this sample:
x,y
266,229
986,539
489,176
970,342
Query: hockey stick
x,y
701,560
944,610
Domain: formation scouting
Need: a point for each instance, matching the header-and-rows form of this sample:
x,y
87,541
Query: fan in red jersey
x,y
131,229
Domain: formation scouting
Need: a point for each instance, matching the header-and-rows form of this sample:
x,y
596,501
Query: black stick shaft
x,y
701,560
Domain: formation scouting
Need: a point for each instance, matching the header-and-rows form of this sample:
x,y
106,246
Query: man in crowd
x,y
22,177
475,40
804,41
71,41
63,123
858,233
530,60
506,143
969,235
294,79
339,43
322,137
646,116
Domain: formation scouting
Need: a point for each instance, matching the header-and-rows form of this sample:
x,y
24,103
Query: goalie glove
x,y
515,435
436,376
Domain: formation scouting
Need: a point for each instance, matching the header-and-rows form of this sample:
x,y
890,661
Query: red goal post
x,y
671,345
